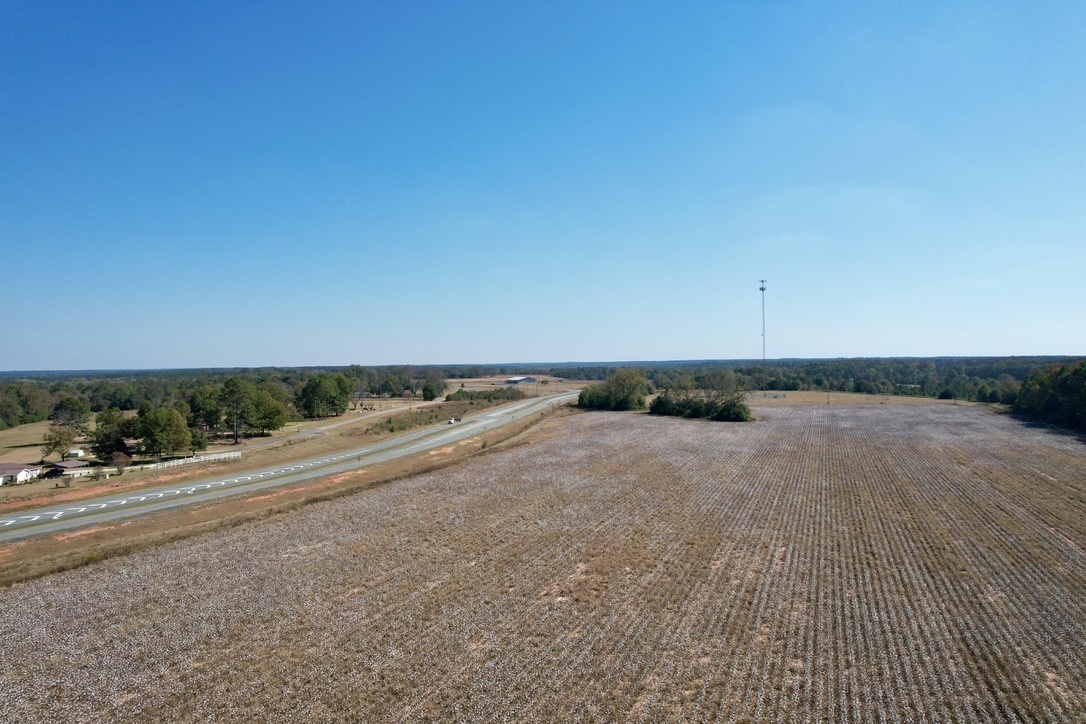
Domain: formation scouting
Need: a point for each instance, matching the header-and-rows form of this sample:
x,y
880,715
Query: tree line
x,y
1056,394
33,397
185,423
981,379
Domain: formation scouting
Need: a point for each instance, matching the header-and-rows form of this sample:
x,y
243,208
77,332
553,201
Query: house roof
x,y
13,468
69,464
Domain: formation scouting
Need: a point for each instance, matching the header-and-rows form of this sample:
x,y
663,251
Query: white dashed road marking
x,y
428,442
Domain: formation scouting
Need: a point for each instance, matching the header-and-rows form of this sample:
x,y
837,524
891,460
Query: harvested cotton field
x,y
835,563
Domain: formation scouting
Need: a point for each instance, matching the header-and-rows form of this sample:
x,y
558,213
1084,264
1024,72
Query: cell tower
x,y
762,290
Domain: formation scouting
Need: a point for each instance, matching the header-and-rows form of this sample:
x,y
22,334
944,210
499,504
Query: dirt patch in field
x,y
9,550
314,488
86,531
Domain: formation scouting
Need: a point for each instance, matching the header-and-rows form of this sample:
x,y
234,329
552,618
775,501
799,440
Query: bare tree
x,y
120,461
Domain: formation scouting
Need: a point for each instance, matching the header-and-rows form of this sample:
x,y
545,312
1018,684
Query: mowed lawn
x,y
827,562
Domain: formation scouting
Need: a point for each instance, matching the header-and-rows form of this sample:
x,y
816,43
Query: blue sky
x,y
251,184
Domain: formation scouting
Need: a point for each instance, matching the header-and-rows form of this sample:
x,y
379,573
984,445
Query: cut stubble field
x,y
837,563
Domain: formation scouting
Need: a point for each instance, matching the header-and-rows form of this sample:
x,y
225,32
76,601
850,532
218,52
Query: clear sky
x,y
188,184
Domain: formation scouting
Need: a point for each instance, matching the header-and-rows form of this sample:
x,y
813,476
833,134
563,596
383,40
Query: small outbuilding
x,y
72,468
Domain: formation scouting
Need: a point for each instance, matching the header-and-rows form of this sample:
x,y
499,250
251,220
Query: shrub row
x,y
501,393
725,410
625,390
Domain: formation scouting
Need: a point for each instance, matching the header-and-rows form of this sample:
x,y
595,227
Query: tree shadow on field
x,y
1050,427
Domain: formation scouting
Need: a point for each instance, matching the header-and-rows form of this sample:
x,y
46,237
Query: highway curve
x,y
55,519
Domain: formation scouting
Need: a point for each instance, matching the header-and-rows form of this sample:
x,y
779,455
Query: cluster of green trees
x,y
325,395
31,397
111,429
498,393
1056,394
247,407
237,406
70,418
160,431
713,394
184,416
25,401
624,390
716,395
183,424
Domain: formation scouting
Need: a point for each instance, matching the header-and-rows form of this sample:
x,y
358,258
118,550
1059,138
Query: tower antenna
x,y
762,290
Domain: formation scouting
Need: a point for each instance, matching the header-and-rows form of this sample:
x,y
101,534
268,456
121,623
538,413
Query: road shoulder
x,y
32,558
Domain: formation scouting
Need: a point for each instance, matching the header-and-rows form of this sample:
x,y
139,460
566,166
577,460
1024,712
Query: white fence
x,y
84,472
198,459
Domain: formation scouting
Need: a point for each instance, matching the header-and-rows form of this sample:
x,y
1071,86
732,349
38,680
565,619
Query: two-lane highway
x,y
44,521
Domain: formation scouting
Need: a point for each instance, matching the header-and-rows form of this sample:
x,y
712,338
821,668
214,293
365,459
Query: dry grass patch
x,y
22,444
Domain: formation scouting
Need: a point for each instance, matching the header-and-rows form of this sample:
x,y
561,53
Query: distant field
x,y
837,563
811,397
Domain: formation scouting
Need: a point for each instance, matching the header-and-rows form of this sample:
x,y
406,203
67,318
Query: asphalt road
x,y
46,521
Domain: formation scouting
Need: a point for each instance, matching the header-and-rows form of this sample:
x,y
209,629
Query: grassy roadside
x,y
424,416
301,441
36,557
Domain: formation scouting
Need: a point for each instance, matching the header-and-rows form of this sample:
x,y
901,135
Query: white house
x,y
17,473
